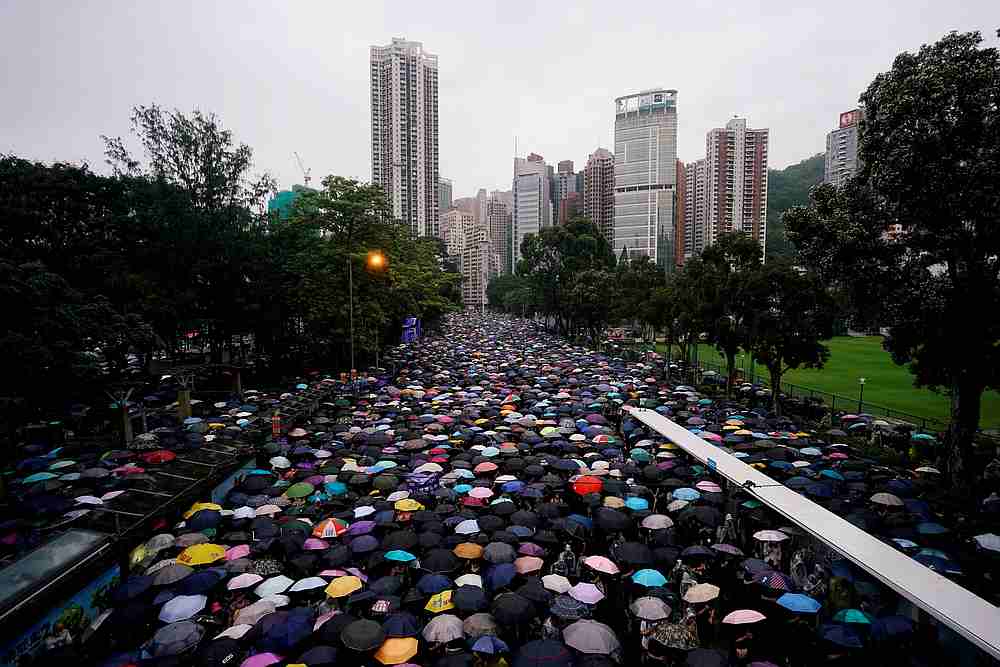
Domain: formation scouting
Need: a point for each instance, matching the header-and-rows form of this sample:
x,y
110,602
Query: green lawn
x,y
886,384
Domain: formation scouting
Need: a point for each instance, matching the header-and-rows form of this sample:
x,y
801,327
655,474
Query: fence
x,y
835,402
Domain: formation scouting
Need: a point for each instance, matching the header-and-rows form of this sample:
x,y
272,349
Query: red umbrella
x,y
159,456
588,484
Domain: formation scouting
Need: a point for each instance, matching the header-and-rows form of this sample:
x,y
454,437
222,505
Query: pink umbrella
x,y
743,616
239,551
245,580
838,455
481,492
708,487
315,544
527,564
601,564
262,660
530,549
714,437
586,593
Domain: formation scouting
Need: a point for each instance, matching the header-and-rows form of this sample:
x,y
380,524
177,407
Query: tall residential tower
x,y
404,99
842,149
736,181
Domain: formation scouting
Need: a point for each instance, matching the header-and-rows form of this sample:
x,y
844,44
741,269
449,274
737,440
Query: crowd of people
x,y
488,502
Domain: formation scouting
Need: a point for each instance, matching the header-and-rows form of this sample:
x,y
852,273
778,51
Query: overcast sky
x,y
293,76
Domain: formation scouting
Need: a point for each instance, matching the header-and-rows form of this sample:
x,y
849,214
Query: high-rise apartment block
x,y
457,226
404,105
444,195
646,175
736,181
599,191
695,218
842,149
498,219
532,210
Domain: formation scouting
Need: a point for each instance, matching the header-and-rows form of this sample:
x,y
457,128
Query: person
x,y
566,563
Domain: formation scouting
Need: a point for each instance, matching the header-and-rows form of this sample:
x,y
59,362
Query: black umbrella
x,y
611,520
439,560
636,554
543,653
469,598
512,609
362,635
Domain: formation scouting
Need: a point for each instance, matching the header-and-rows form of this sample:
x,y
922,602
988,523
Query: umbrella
x,y
440,602
556,583
479,624
512,608
587,593
853,616
489,644
887,499
600,564
175,639
171,574
262,660
182,608
443,628
841,635
589,636
273,586
650,609
363,635
245,580
988,541
343,586
743,616
254,612
648,578
543,653
799,603
201,554
701,593
770,536
397,650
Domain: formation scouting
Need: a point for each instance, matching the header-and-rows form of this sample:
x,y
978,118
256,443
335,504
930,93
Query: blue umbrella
x,y
431,584
799,603
400,556
832,474
401,624
931,528
685,493
649,578
888,627
637,504
841,635
498,576
39,477
488,644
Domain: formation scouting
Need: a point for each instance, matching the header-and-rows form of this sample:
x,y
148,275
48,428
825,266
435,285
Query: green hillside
x,y
786,188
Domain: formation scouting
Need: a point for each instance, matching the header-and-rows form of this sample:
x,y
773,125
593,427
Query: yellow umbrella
x,y
408,505
668,445
396,650
743,431
343,586
197,507
730,427
440,602
201,554
138,555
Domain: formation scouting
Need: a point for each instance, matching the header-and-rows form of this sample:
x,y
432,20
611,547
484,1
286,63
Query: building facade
x,y
444,195
736,181
499,222
564,187
404,112
475,266
841,161
646,176
695,221
599,192
457,226
532,209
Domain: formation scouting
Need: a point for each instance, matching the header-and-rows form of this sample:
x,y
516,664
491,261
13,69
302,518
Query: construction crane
x,y
306,173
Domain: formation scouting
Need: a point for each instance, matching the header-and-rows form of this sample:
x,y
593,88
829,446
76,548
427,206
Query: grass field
x,y
886,383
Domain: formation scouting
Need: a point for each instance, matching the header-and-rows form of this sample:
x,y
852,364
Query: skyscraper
x,y
736,181
457,226
564,186
599,192
646,175
499,223
444,195
532,201
695,220
842,149
404,103
680,225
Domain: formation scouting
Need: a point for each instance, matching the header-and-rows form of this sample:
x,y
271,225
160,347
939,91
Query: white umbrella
x,y
770,536
245,580
589,636
307,584
556,583
443,628
470,580
467,527
988,541
182,608
274,585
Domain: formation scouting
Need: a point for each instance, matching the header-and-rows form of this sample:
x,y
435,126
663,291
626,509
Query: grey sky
x,y
288,75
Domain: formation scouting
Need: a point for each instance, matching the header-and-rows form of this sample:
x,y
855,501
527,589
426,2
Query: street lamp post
x,y
375,261
861,395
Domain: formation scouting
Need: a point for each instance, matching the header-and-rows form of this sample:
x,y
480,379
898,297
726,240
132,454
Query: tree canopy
x,y
913,242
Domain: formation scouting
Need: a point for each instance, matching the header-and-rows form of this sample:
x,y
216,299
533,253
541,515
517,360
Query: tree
x,y
787,188
789,313
914,241
728,264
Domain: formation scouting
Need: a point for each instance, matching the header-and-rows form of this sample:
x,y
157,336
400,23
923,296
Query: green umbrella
x,y
299,490
853,616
